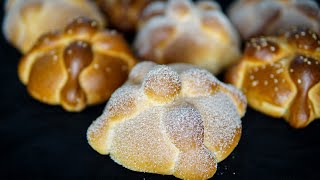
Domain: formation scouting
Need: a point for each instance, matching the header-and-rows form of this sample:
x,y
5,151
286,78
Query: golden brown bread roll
x,y
123,14
175,120
80,66
26,20
261,17
181,31
280,76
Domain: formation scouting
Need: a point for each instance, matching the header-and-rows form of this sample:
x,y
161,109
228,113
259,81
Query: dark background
x,y
40,141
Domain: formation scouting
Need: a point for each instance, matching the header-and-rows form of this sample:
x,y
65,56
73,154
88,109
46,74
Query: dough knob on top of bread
x,y
26,20
174,120
182,31
267,17
79,66
280,75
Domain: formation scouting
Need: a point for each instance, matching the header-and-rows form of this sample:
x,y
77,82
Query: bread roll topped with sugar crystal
x,y
175,120
280,75
183,31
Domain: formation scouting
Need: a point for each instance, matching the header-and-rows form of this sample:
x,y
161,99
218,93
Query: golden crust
x,y
51,81
123,14
180,31
222,154
193,164
94,82
157,122
314,96
27,20
258,17
282,78
80,66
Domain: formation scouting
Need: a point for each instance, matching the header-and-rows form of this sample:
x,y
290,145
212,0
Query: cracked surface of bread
x,y
280,75
79,66
27,20
259,17
186,32
158,122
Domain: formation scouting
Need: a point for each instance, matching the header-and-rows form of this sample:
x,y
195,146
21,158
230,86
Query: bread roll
x,y
79,66
26,20
261,17
175,120
181,31
280,76
123,14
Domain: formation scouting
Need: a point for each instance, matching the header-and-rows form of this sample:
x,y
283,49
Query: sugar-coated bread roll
x,y
174,120
123,14
181,31
79,66
26,20
261,17
280,75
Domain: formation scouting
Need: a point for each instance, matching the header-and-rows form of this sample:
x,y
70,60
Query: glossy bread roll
x,y
280,76
181,31
123,14
268,17
80,66
26,20
175,120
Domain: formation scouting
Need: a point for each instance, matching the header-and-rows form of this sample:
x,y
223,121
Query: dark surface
x,y
40,141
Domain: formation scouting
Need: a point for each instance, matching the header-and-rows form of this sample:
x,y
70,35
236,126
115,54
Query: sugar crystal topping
x,y
139,71
184,125
123,101
220,120
162,82
204,126
198,82
185,20
135,137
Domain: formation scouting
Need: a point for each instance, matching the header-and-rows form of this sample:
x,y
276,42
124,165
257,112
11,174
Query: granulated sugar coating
x,y
162,83
184,126
139,71
123,101
222,124
175,120
140,144
196,33
198,82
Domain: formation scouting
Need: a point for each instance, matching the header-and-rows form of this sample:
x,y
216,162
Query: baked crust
x,y
26,20
180,31
123,14
280,75
177,120
260,17
79,66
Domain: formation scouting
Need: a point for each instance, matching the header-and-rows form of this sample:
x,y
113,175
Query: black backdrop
x,y
38,141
